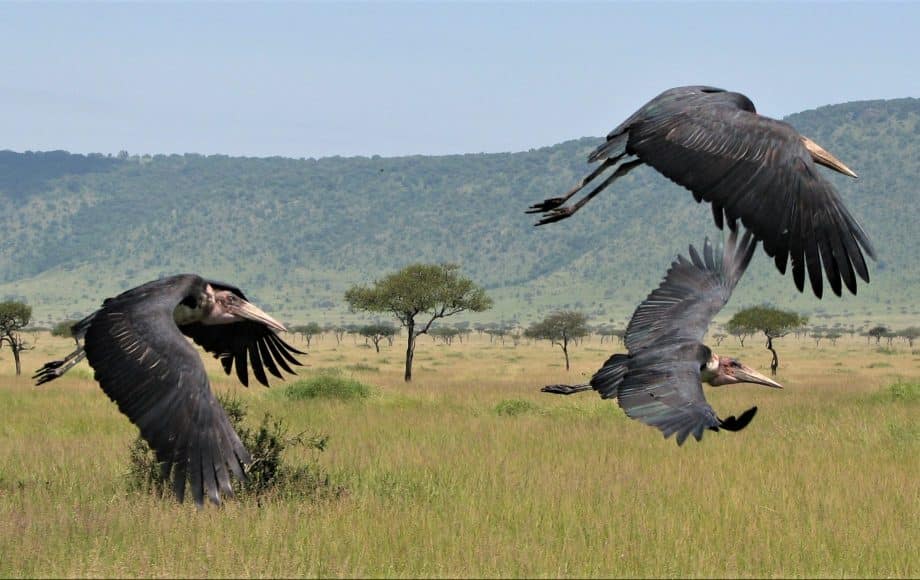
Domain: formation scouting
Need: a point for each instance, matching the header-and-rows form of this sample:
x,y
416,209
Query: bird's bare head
x,y
228,308
823,157
724,370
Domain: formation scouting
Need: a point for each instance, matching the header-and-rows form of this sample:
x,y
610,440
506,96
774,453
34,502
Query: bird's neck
x,y
710,371
183,315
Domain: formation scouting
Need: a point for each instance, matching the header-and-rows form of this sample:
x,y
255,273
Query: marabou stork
x,y
660,381
750,168
136,343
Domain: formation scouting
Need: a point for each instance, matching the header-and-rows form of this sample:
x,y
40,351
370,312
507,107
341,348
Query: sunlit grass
x,y
471,471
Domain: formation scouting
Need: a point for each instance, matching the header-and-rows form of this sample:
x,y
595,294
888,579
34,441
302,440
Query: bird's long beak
x,y
820,155
746,374
252,312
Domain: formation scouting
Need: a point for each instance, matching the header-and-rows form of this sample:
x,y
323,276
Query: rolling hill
x,y
295,233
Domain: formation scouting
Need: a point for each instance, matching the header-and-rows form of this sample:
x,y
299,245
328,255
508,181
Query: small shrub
x,y
886,350
878,365
267,475
905,434
513,407
904,391
327,385
363,368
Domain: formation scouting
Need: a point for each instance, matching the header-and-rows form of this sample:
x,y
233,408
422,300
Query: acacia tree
x,y
910,334
377,332
773,322
889,336
14,316
339,332
65,329
445,334
876,332
739,330
308,331
429,291
560,328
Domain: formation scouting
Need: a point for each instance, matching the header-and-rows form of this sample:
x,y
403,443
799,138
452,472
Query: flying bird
x,y
751,168
136,343
659,382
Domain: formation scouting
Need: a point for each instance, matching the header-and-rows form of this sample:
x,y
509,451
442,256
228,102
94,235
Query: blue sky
x,y
320,79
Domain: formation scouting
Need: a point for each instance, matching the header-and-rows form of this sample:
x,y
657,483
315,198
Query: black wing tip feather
x,y
737,424
731,423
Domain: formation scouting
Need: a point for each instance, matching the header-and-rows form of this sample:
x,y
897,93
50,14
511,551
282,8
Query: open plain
x,y
471,471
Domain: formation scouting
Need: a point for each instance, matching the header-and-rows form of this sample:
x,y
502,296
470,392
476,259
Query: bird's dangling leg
x,y
566,389
562,213
56,368
554,202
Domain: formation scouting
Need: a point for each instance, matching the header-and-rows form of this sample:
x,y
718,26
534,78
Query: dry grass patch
x,y
822,483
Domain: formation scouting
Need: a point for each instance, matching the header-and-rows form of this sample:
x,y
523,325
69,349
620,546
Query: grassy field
x,y
471,471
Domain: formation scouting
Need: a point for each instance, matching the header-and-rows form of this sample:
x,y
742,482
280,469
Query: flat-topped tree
x,y
418,295
560,328
773,322
877,332
377,332
65,329
308,331
910,334
14,316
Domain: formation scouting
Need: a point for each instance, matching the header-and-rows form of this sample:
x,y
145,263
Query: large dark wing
x,y
757,170
234,343
661,387
691,294
155,376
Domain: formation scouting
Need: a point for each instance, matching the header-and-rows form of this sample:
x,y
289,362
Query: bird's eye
x,y
190,302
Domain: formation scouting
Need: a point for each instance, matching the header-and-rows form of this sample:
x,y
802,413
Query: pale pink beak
x,y
820,155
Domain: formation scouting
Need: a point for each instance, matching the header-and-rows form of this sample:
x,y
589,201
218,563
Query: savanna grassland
x,y
471,471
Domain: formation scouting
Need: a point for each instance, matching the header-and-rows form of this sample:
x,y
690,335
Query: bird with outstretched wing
x,y
137,343
659,381
751,168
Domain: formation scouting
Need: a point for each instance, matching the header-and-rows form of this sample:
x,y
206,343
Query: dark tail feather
x,y
607,380
733,424
614,147
565,389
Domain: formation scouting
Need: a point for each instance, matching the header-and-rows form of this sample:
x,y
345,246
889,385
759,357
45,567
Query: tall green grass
x,y
440,484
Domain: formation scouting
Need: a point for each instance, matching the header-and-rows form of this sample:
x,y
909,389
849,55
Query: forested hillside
x,y
295,233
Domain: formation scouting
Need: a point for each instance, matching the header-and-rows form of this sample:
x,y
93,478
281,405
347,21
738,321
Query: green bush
x,y
513,407
904,391
327,385
267,475
363,367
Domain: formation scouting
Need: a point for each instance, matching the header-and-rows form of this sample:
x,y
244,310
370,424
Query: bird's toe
x,y
546,205
555,216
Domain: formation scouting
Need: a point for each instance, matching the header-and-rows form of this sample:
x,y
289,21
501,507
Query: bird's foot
x,y
546,205
48,373
555,215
